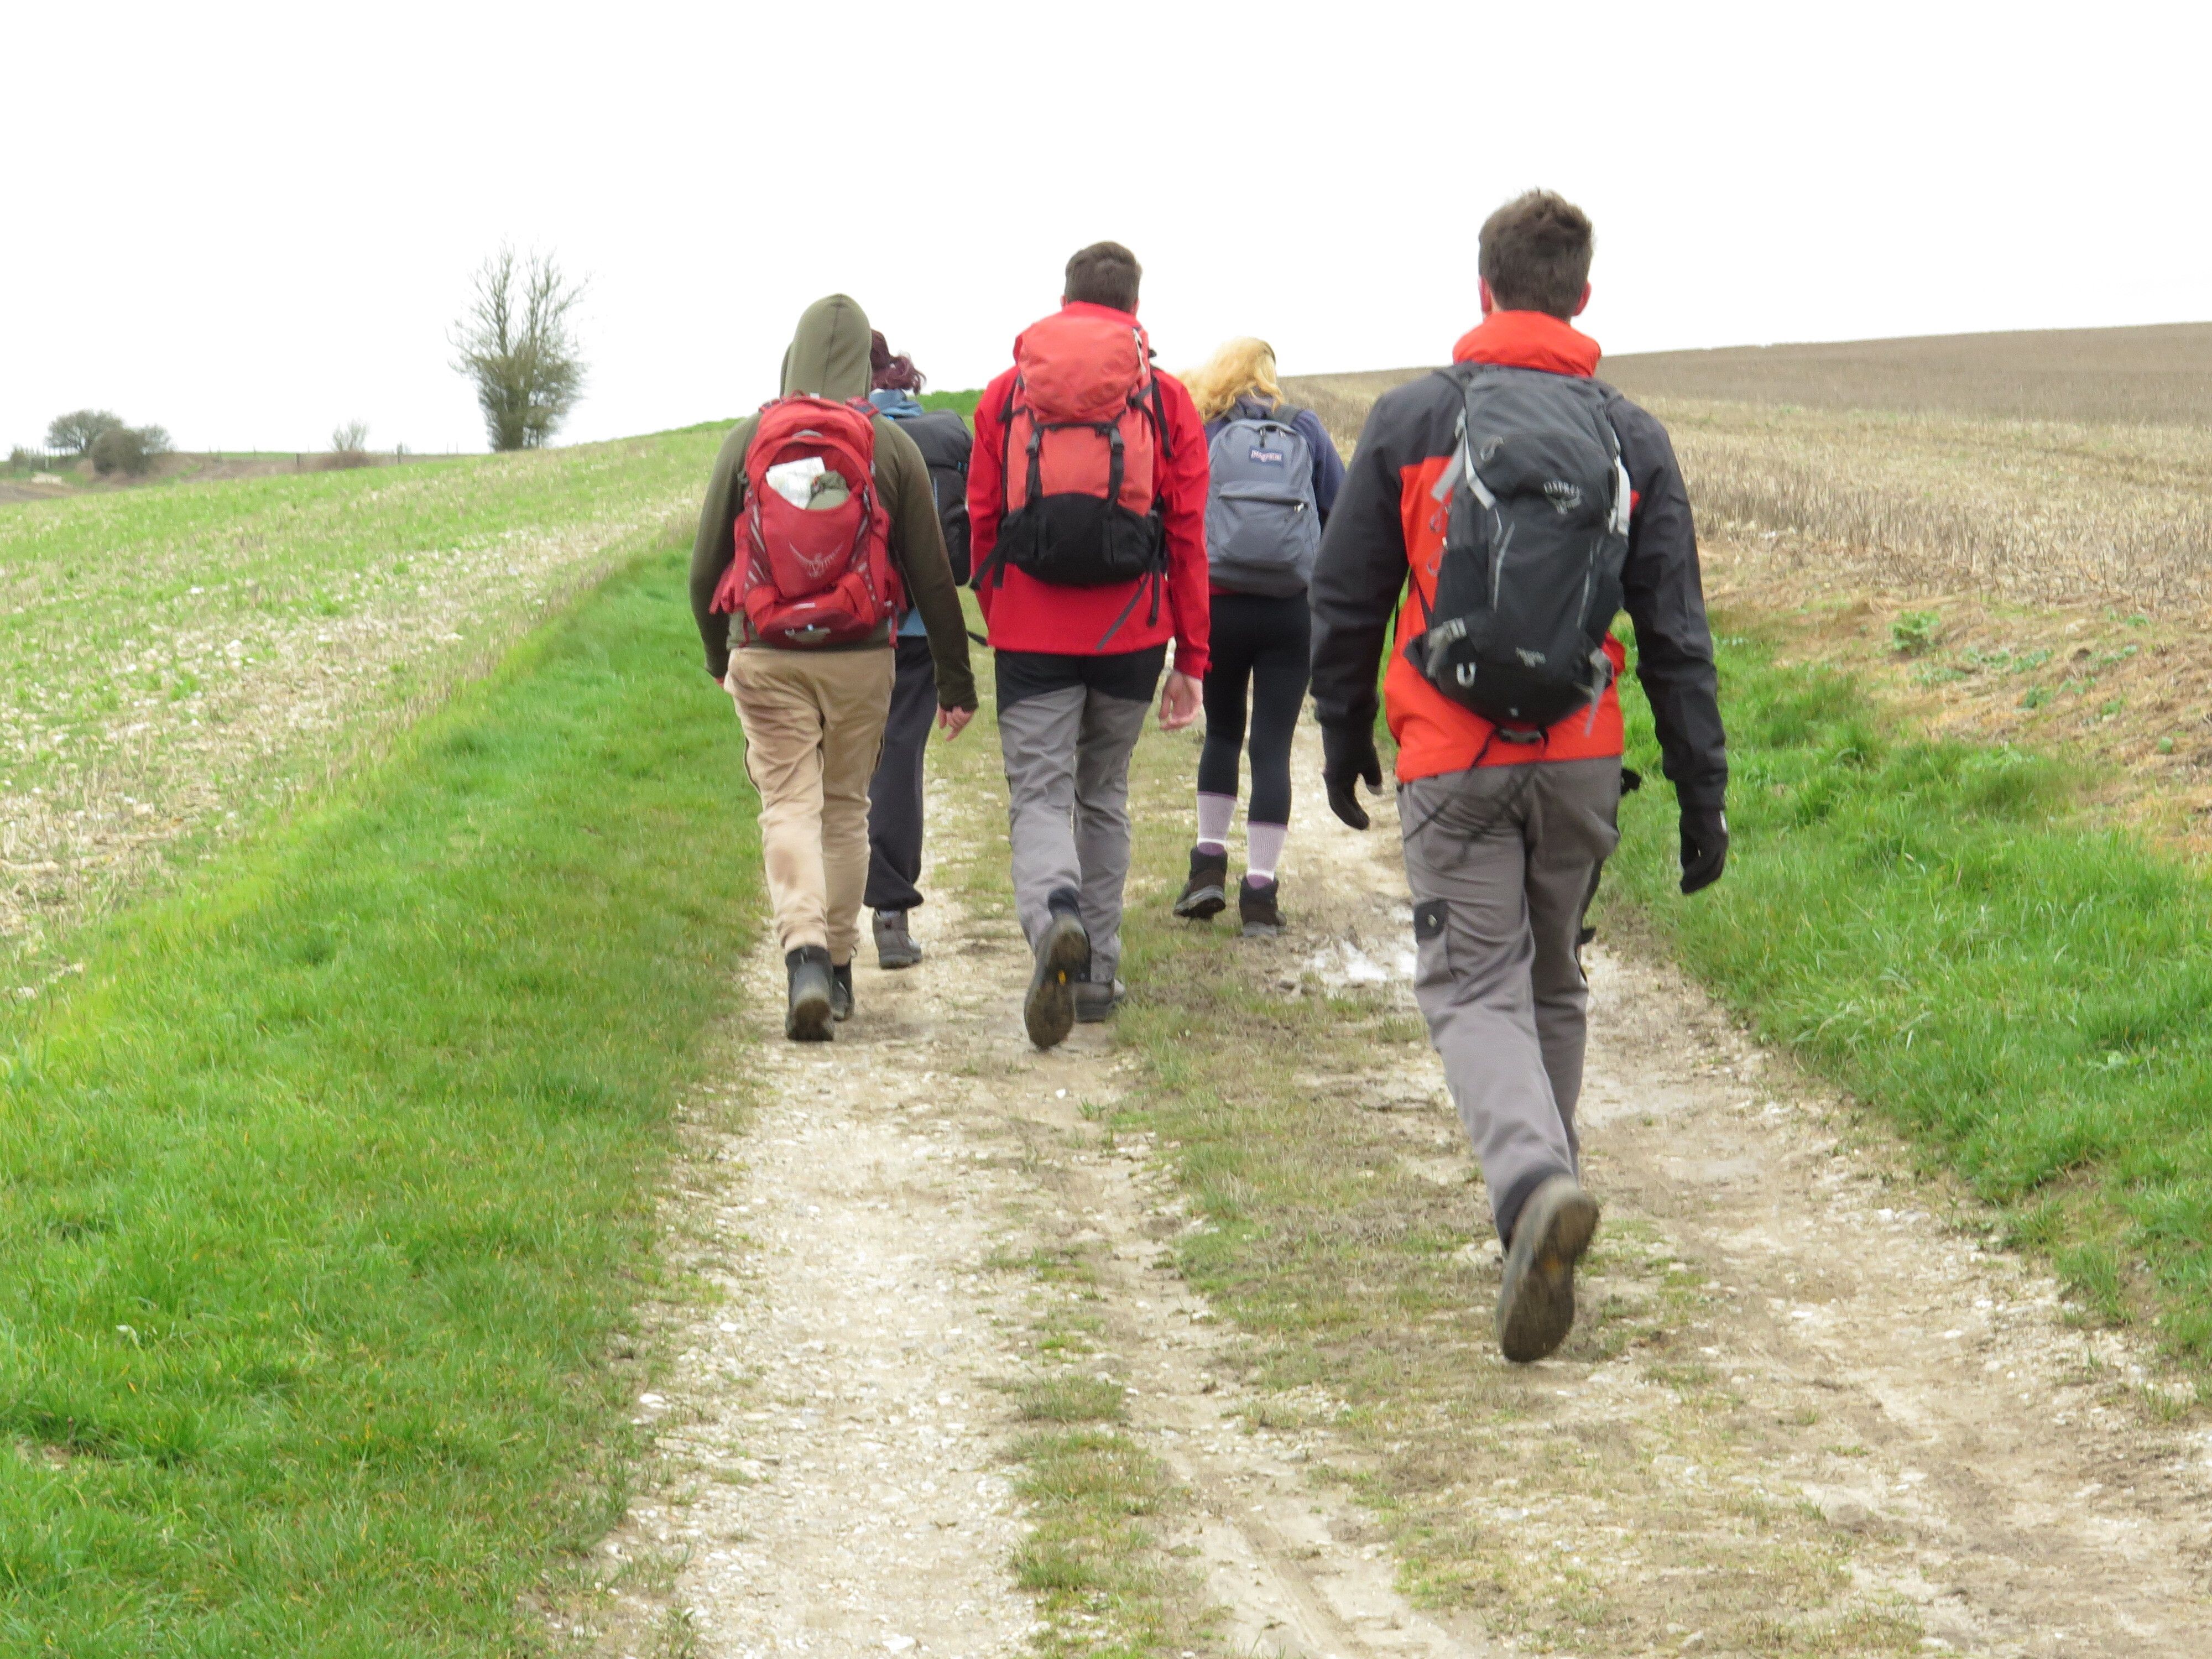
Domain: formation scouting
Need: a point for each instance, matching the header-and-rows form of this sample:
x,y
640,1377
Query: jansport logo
x,y
1564,497
1268,457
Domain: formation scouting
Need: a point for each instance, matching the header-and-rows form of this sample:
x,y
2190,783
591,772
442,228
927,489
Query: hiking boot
x,y
840,993
1063,957
1255,903
1206,894
1095,1002
895,945
1536,1302
806,1020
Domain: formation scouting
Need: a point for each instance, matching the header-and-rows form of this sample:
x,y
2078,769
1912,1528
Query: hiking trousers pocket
x,y
1432,942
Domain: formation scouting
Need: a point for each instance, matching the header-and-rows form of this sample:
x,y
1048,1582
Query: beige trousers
x,y
814,724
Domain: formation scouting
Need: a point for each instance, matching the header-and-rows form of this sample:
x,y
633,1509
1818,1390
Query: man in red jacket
x,y
1505,830
1077,666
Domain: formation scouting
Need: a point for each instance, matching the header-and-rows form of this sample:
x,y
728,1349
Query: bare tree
x,y
348,446
516,343
74,432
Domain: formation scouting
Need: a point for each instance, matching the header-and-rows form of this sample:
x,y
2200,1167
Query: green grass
x,y
325,1192
1944,930
960,402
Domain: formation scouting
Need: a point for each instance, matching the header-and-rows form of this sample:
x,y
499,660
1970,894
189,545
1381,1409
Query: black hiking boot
x,y
1206,894
1095,1002
1063,958
807,1018
895,943
840,993
1255,903
1536,1302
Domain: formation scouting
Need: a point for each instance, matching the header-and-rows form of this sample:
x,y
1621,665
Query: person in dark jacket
x,y
1262,638
1506,833
894,793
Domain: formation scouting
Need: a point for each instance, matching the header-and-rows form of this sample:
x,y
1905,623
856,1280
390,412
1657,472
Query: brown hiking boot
x,y
1536,1302
1257,909
1063,958
1206,894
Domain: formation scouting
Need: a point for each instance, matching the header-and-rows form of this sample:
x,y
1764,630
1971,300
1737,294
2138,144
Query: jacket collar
x,y
1529,339
1084,308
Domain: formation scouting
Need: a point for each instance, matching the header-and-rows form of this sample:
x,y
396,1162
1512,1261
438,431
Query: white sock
x,y
1214,812
1263,844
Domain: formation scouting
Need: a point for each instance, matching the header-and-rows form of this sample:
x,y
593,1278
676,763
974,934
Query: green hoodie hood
x,y
829,354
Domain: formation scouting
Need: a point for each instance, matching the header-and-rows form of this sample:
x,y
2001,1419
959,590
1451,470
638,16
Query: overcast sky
x,y
250,224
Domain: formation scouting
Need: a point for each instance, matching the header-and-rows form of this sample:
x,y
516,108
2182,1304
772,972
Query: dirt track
x,y
1906,1400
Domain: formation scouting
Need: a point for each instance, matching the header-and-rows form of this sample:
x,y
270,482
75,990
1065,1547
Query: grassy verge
x,y
324,1192
1095,1495
1941,929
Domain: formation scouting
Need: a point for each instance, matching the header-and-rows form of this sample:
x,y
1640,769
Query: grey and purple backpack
x,y
1263,526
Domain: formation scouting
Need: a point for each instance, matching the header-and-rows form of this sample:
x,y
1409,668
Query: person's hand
x,y
953,721
1179,700
1704,847
1347,757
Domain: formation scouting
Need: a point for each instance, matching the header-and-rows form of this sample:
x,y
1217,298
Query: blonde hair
x,y
1239,368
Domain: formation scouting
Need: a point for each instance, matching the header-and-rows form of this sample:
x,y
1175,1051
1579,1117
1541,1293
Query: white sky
x,y
251,223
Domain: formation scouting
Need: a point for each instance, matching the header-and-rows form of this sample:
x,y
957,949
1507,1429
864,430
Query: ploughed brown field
x,y
2013,530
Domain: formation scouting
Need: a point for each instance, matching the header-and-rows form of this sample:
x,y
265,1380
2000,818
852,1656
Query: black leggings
x,y
1265,644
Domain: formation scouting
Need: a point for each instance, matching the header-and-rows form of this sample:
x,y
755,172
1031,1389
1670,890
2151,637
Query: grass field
x,y
181,658
326,1190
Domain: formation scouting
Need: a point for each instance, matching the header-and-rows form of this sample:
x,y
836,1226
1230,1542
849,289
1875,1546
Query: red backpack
x,y
812,576
1082,420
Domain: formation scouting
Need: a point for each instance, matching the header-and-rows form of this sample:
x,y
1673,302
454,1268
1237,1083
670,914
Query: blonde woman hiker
x,y
818,530
1274,477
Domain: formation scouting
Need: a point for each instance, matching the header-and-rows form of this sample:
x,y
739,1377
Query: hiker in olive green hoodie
x,y
813,716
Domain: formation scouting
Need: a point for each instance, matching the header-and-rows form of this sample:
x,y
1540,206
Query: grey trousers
x,y
1502,862
1067,777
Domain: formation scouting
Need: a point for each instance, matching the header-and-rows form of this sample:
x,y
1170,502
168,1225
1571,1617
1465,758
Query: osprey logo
x,y
1533,659
1564,497
815,567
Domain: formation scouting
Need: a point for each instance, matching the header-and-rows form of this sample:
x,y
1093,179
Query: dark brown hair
x,y
890,373
1536,254
1104,274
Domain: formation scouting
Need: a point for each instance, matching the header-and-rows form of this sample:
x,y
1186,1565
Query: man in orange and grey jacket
x,y
1504,839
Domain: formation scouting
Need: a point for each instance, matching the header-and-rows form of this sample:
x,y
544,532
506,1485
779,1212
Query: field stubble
x,y
2007,579
181,660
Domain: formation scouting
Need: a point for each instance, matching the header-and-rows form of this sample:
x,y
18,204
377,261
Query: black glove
x,y
1348,756
1704,847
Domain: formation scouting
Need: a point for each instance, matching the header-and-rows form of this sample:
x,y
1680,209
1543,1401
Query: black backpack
x,y
1529,578
945,442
